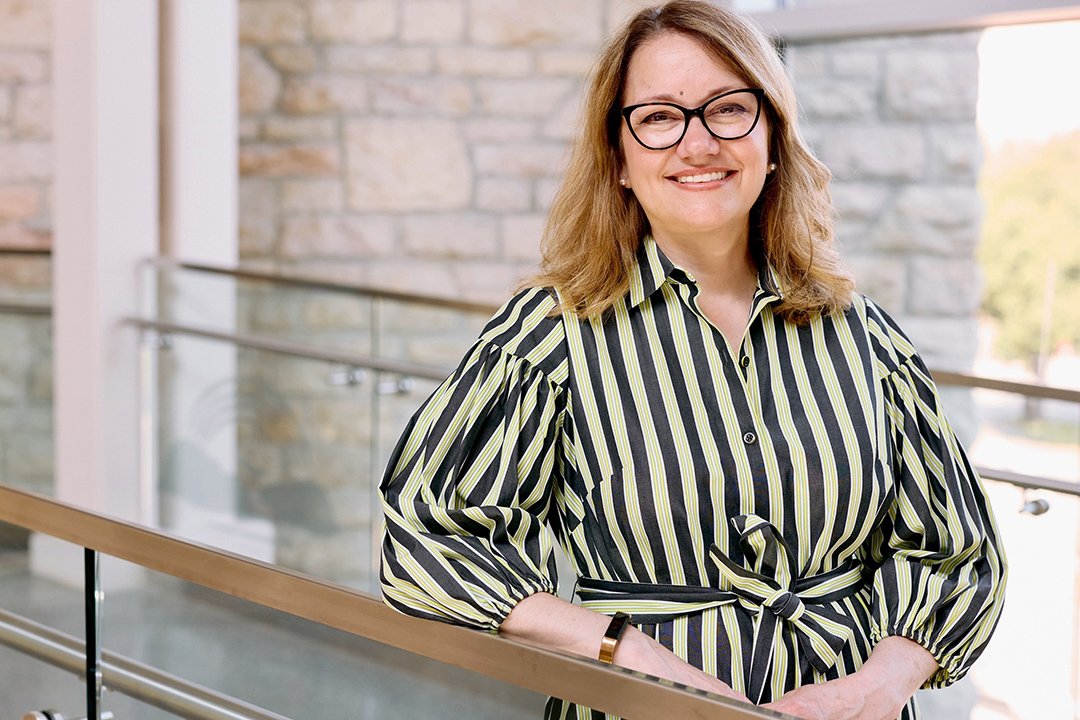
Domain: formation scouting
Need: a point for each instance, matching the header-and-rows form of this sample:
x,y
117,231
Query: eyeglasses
x,y
728,116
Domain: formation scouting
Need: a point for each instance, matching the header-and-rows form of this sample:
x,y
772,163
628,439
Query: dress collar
x,y
653,269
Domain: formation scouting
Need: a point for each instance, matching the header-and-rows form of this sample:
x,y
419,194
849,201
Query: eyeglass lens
x,y
729,116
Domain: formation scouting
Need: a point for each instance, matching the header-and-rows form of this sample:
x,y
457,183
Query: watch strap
x,y
611,638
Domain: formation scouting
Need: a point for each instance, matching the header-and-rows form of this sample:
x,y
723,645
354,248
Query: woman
x,y
731,445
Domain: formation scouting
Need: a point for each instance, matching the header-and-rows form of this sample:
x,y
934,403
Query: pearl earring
x,y
772,167
622,181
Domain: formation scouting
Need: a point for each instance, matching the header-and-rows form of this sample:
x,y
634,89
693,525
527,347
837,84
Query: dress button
x,y
745,362
749,438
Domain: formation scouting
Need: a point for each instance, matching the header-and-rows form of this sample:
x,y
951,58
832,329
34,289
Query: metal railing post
x,y
92,598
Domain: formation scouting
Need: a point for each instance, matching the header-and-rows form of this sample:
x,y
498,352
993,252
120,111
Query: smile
x,y
708,177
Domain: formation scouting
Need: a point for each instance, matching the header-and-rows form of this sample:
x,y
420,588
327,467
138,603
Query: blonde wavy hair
x,y
595,228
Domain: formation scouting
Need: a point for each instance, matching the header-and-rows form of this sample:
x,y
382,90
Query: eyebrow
x,y
667,97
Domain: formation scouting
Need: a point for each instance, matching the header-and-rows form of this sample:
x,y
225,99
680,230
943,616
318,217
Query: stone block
x,y
337,235
833,99
353,21
620,11
488,282
522,160
503,194
523,98
565,124
312,195
293,58
341,419
931,85
873,152
338,270
432,21
260,463
257,205
573,63
30,455
25,24
437,351
437,98
380,59
248,129
351,505
938,220
21,235
416,276
956,153
527,23
259,84
40,384
404,165
946,343
944,286
484,62
25,160
296,159
332,310
324,94
521,237
805,64
497,130
544,193
450,236
263,22
882,278
860,201
856,65
23,66
288,128
19,202
25,273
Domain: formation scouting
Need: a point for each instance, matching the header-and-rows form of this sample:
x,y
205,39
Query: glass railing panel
x,y
1007,431
291,666
278,457
26,394
1031,669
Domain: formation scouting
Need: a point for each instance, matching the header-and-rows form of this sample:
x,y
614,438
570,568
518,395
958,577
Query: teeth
x,y
702,178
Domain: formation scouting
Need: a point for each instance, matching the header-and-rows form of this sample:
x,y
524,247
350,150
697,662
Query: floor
x,y
294,667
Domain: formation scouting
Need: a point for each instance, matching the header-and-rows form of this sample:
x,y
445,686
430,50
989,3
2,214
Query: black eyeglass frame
x,y
698,112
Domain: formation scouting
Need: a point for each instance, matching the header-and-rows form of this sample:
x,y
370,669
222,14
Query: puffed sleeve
x,y
470,483
942,572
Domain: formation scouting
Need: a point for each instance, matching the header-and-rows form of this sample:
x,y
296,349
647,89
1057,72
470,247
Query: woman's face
x,y
675,68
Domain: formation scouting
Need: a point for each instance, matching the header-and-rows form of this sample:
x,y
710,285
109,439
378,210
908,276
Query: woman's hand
x,y
877,691
543,619
834,700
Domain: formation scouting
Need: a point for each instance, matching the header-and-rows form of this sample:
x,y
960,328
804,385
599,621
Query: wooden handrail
x,y
628,694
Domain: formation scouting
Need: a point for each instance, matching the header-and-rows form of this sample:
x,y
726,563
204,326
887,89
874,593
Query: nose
x,y
698,140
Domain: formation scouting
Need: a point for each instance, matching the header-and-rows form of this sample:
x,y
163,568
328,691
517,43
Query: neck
x,y
720,265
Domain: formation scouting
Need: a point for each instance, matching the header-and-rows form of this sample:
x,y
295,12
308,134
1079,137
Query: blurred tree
x,y
1032,198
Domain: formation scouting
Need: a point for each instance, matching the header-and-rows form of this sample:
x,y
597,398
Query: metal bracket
x,y
401,386
352,376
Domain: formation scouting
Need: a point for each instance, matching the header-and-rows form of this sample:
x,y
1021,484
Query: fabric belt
x,y
771,584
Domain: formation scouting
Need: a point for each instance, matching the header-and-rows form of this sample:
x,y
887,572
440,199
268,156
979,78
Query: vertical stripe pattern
x,y
768,512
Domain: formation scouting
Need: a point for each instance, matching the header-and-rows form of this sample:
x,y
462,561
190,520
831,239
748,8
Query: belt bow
x,y
772,591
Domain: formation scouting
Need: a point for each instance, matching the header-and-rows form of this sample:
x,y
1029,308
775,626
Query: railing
x,y
353,611
588,682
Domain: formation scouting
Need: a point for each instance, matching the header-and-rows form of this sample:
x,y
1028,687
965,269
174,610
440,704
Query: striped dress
x,y
768,513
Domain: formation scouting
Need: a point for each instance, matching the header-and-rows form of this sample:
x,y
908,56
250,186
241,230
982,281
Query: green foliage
x,y
1032,199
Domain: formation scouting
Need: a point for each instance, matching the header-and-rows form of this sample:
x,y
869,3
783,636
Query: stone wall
x,y
409,143
26,456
